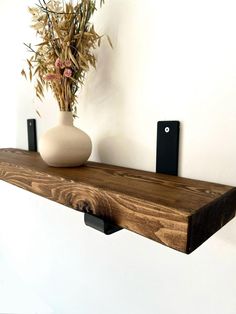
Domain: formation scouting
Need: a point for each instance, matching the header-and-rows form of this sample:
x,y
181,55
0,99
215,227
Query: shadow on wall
x,y
104,79
104,96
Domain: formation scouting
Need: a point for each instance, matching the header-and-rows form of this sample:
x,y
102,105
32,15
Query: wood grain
x,y
177,212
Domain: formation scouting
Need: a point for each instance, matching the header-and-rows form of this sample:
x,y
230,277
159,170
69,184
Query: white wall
x,y
171,60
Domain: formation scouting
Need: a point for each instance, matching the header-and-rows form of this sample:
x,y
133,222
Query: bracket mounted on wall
x,y
167,156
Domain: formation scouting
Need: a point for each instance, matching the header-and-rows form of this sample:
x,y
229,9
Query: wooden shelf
x,y
177,212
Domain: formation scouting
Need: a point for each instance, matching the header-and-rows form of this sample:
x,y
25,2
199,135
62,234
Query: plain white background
x,y
171,60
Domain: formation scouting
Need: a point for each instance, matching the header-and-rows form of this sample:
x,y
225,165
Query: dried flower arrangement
x,y
65,54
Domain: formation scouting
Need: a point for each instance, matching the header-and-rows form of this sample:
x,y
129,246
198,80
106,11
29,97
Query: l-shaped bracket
x,y
100,224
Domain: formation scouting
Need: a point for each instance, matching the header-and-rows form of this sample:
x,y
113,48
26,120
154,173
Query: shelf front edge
x,y
211,218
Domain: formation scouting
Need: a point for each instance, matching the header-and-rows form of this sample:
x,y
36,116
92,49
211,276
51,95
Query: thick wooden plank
x,y
177,212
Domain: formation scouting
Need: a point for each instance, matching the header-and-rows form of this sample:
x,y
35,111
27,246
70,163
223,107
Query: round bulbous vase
x,y
65,145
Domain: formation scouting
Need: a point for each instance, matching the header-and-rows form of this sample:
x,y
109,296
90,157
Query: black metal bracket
x,y
32,135
100,224
167,156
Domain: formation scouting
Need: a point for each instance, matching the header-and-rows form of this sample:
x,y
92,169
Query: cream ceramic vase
x,y
65,145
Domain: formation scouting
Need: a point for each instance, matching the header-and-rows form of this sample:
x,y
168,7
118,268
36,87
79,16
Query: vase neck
x,y
65,118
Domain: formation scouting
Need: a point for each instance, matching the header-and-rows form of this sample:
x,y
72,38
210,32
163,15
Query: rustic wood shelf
x,y
177,212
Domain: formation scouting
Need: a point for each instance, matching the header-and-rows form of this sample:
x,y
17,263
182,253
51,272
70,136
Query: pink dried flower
x,y
67,72
52,77
59,63
68,63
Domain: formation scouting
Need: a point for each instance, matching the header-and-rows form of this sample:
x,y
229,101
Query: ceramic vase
x,y
65,145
